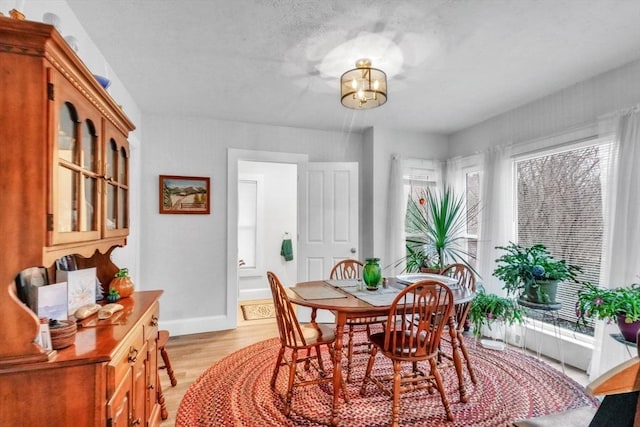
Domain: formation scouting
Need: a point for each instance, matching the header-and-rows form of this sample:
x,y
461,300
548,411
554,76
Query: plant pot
x,y
628,330
494,334
544,293
430,270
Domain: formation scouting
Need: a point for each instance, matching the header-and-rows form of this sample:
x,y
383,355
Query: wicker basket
x,y
63,334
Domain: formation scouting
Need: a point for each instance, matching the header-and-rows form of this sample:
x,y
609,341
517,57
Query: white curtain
x,y
454,178
395,217
496,213
623,247
621,254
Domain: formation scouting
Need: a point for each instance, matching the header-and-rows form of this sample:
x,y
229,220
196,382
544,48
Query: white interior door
x,y
328,221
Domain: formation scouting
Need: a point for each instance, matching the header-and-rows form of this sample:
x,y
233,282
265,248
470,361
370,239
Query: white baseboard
x,y
198,325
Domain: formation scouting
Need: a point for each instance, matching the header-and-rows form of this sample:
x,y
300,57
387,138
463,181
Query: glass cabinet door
x,y
76,174
116,220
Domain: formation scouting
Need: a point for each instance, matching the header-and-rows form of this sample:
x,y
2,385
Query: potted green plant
x,y
436,224
487,308
621,305
418,261
532,273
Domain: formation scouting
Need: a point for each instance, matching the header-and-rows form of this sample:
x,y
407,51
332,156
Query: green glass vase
x,y
372,273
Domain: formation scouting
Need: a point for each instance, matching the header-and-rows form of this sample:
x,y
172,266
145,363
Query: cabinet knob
x,y
150,387
154,321
136,422
133,355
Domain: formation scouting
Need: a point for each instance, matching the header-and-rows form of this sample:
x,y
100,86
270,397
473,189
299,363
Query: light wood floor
x,y
192,354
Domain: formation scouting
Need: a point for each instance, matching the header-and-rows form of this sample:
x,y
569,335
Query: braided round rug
x,y
235,391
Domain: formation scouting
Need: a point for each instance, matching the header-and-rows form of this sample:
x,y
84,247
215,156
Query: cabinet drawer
x,y
127,354
150,322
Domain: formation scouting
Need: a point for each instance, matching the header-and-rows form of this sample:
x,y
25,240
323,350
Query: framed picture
x,y
184,195
27,283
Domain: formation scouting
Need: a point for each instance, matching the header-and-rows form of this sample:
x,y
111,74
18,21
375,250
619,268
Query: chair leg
x,y
367,374
395,403
320,363
349,353
440,385
164,413
167,365
292,376
276,369
465,353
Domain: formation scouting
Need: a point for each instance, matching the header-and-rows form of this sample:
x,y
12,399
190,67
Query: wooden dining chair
x,y
295,337
352,269
412,334
466,279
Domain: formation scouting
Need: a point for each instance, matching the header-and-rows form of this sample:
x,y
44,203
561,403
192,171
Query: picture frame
x,y
184,194
27,283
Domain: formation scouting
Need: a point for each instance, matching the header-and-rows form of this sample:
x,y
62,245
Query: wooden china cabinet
x,y
64,173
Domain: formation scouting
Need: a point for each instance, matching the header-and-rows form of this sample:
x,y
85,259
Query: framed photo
x,y
27,283
184,194
81,287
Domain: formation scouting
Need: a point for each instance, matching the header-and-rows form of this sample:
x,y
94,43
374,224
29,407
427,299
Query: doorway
x,y
251,289
267,220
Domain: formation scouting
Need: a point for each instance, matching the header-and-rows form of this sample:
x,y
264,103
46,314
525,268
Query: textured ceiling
x,y
451,63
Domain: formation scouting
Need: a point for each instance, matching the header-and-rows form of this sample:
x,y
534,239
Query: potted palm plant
x,y
532,273
621,305
436,224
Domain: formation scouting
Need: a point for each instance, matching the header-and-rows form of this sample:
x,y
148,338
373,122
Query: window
x,y
559,203
250,213
418,180
472,199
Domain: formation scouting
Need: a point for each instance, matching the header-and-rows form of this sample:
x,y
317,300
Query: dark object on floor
x,y
617,410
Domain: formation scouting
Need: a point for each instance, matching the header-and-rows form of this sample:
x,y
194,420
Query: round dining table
x,y
329,295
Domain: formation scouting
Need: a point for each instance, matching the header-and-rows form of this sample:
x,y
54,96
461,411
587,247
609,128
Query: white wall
x,y
574,107
186,255
280,214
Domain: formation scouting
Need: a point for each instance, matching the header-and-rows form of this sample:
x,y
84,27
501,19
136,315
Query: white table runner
x,y
318,292
343,283
380,297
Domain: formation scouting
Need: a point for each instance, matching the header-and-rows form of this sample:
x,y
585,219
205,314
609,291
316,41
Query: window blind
x,y
559,202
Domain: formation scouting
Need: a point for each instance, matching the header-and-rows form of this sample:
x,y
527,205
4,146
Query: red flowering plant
x,y
606,304
487,308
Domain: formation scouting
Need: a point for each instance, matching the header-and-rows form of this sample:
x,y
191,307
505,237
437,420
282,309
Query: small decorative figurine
x,y
113,295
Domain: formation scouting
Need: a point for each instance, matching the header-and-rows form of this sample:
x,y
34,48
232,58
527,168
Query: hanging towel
x,y
287,249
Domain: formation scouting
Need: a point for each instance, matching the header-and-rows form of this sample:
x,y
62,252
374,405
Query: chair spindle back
x,y
416,320
466,279
288,325
346,269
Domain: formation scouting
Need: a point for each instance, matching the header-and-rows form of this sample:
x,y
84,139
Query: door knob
x,y
353,250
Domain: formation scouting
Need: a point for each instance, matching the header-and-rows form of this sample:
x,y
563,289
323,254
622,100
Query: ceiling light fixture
x,y
363,87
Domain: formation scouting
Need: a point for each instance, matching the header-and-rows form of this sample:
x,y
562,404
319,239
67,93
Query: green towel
x,y
287,250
